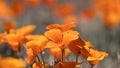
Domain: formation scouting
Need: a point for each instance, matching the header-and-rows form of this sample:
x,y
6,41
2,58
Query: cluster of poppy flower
x,y
61,40
17,7
108,10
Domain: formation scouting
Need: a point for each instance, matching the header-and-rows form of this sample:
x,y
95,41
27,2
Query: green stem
x,y
42,59
62,55
19,56
76,59
38,58
91,66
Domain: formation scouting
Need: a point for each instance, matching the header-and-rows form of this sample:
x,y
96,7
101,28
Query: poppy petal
x,y
67,26
51,44
55,35
76,45
53,26
69,36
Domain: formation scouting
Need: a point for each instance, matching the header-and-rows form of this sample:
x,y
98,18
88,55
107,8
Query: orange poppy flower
x,y
64,10
11,63
37,45
92,55
76,45
13,40
87,50
34,46
66,65
60,39
96,56
8,26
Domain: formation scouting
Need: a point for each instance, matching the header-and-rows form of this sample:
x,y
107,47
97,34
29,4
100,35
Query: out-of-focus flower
x,y
70,19
8,26
64,10
88,14
66,65
111,19
33,2
11,63
16,36
50,3
17,7
109,10
25,30
14,41
5,11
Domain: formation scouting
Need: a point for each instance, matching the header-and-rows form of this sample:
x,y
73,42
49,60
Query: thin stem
x,y
38,58
19,56
91,66
42,59
76,59
62,55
